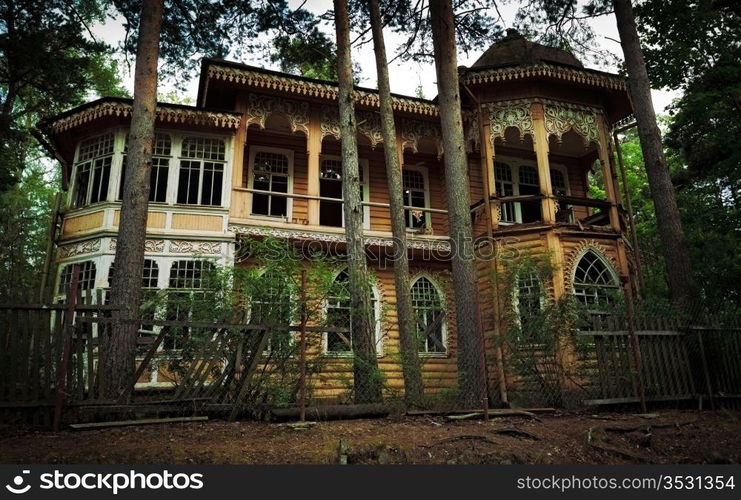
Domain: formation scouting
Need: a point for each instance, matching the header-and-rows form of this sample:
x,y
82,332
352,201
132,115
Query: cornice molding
x,y
494,75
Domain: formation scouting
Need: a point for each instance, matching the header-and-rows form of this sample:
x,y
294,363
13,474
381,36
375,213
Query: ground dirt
x,y
561,438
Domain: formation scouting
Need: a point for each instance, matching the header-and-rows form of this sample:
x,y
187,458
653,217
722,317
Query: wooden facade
x,y
535,127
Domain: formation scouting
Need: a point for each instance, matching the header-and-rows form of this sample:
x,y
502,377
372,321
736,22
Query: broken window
x,y
529,185
93,170
330,186
271,173
188,279
339,317
528,300
505,187
595,283
86,277
560,188
520,181
415,196
429,315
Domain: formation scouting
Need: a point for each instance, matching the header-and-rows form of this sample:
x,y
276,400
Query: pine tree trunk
x,y
471,370
127,281
413,388
675,251
367,382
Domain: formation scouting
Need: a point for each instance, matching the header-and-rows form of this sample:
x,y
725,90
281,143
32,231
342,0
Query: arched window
x,y
338,316
595,283
86,277
430,317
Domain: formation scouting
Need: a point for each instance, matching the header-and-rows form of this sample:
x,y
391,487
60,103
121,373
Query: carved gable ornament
x,y
368,123
505,114
560,118
414,130
260,107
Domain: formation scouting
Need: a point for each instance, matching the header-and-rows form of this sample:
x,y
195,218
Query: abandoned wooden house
x,y
259,155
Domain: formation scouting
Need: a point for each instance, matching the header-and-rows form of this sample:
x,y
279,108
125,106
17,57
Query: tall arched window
x,y
595,283
429,315
338,316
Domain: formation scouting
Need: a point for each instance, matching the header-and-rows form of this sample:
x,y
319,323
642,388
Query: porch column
x,y
548,204
489,173
604,159
240,201
313,150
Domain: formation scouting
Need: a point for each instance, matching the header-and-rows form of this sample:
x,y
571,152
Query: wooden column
x,y
489,173
314,150
604,158
240,200
548,204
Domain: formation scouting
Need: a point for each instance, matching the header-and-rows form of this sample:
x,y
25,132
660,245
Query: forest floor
x,y
668,437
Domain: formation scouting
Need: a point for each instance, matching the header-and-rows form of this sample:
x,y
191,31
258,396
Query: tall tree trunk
x,y
471,370
367,382
675,251
127,282
413,389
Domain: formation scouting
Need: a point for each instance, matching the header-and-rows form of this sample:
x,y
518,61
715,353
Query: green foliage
x,y
26,209
48,63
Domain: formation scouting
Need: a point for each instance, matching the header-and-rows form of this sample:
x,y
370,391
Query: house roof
x,y
515,49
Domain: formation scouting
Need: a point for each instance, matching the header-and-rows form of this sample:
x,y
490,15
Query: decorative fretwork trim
x,y
414,130
81,248
150,246
368,123
296,234
612,82
560,117
505,114
288,84
174,115
260,107
572,260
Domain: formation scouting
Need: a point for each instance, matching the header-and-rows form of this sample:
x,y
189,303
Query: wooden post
x,y
48,259
607,174
629,208
548,204
67,340
302,373
240,209
314,151
634,346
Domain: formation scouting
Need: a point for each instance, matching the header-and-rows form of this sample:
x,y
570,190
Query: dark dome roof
x,y
514,49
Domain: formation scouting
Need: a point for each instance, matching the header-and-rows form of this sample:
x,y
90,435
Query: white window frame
x,y
377,324
177,155
76,165
425,177
615,277
251,178
363,164
444,325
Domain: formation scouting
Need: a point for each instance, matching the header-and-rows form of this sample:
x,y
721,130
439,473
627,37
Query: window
x,y
271,304
187,289
201,177
158,176
330,186
520,181
271,172
528,299
560,188
150,273
86,277
338,316
415,195
595,283
529,185
429,315
93,170
505,187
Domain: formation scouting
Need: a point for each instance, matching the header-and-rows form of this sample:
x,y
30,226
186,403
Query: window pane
x,y
82,181
101,176
158,179
188,182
